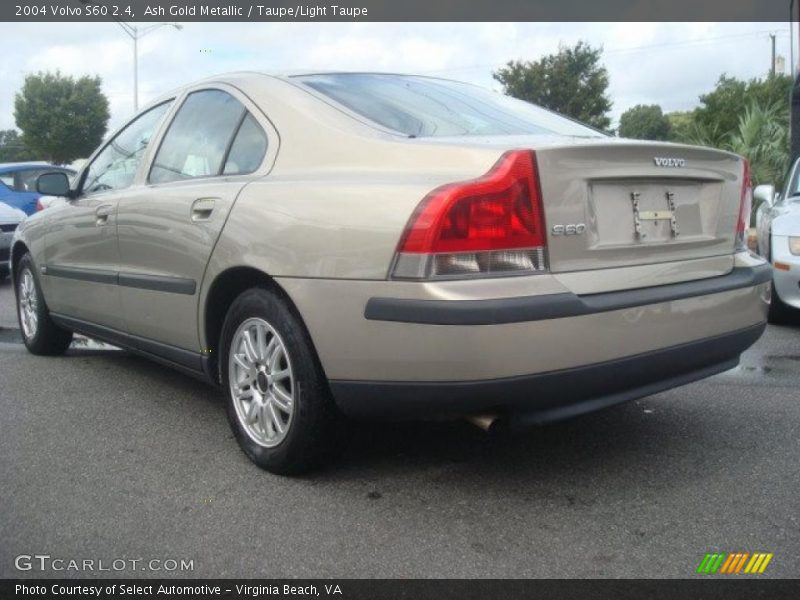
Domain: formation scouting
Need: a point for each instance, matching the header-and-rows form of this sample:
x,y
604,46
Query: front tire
x,y
278,402
779,312
39,333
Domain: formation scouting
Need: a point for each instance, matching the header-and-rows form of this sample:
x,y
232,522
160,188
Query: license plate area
x,y
635,213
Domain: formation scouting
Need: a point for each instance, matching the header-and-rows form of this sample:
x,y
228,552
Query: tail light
x,y
490,226
39,205
745,204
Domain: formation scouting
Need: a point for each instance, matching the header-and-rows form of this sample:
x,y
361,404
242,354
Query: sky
x,y
669,64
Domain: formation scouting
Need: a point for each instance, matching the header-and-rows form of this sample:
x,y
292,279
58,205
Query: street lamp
x,y
135,32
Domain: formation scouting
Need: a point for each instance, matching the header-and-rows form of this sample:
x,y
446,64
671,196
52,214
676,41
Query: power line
x,y
723,38
765,32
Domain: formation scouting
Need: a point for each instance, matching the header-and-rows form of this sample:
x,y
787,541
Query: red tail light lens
x,y
745,205
39,205
490,225
500,210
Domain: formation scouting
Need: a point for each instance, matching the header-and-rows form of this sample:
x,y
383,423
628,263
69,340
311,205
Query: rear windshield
x,y
428,107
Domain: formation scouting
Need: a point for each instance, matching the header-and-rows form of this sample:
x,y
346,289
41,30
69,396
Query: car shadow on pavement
x,y
654,442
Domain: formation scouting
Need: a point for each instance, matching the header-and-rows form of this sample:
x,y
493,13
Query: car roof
x,y
234,77
26,166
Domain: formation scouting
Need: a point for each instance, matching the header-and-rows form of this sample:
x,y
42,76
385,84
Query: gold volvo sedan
x,y
335,246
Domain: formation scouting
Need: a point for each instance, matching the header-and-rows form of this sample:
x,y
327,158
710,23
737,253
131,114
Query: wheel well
x,y
17,252
225,289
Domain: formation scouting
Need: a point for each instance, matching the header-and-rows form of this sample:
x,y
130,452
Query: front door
x,y
82,255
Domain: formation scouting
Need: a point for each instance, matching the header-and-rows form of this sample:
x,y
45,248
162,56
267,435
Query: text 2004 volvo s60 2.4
x,y
325,246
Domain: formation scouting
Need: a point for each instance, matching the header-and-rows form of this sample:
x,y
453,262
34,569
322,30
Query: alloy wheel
x,y
28,304
262,384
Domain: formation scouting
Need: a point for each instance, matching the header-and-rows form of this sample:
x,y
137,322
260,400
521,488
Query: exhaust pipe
x,y
485,421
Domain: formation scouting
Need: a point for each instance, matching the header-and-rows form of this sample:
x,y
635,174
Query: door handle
x,y
202,209
102,213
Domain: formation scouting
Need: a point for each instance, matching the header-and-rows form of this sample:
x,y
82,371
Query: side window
x,y
8,180
248,148
27,179
198,138
115,167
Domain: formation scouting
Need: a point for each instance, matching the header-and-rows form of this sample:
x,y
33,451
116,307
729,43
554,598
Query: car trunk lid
x,y
621,204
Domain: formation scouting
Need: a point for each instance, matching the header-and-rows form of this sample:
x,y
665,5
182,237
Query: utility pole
x,y
772,64
794,129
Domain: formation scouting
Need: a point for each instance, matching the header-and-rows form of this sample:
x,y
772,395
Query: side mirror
x,y
53,184
765,193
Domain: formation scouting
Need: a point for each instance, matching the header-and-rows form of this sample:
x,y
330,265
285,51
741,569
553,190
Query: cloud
x,y
669,64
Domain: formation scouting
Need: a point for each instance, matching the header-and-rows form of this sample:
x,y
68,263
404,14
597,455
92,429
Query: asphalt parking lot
x,y
106,456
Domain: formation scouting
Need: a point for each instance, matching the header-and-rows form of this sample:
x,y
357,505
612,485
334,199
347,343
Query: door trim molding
x,y
92,275
157,283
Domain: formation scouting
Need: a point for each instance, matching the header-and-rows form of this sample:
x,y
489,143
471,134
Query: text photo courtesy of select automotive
x,y
368,300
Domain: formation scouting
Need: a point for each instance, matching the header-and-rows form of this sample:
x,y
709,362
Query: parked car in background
x,y
778,230
48,201
390,246
10,219
18,183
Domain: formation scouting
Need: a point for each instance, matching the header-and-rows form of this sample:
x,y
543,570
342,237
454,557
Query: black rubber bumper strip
x,y
158,283
93,275
549,396
173,285
554,306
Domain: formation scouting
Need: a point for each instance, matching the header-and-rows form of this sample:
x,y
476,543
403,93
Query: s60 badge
x,y
570,229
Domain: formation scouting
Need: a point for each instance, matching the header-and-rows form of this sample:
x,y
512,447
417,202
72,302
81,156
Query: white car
x,y
10,218
778,226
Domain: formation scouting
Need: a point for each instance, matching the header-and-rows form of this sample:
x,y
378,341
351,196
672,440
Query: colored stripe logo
x,y
731,563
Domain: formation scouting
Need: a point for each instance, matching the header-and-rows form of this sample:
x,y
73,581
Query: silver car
x,y
778,227
356,245
10,219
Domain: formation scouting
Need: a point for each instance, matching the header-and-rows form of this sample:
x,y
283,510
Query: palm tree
x,y
763,138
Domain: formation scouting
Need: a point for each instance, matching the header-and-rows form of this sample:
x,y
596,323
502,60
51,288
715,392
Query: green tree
x,y
762,136
680,123
572,82
61,118
11,147
720,110
644,122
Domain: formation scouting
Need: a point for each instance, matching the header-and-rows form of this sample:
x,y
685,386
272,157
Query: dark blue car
x,y
18,183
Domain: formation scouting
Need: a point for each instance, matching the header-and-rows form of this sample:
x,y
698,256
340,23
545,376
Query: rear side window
x,y
212,130
428,107
248,148
26,182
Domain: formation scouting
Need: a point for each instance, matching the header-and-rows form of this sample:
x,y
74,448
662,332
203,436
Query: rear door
x,y
168,229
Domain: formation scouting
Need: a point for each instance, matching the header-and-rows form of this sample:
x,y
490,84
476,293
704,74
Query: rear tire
x,y
277,398
39,333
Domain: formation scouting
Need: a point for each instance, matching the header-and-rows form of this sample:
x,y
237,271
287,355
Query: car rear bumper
x,y
554,351
555,306
552,396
